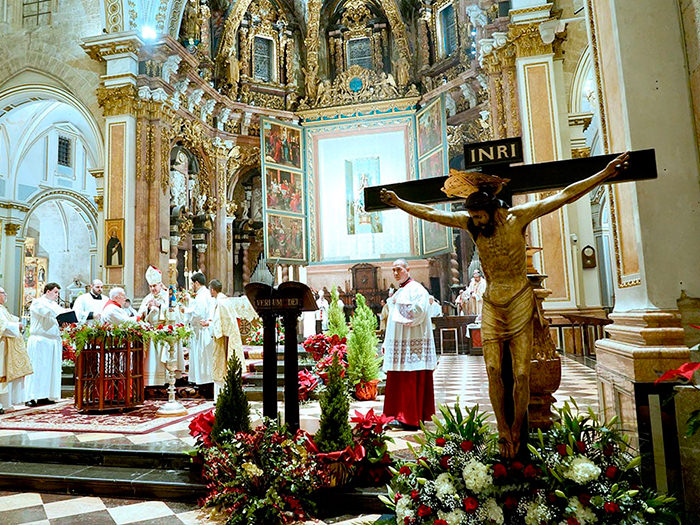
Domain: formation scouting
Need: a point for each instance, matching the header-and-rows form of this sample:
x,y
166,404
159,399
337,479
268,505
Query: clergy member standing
x,y
201,344
154,310
114,312
89,305
44,347
227,336
409,352
14,359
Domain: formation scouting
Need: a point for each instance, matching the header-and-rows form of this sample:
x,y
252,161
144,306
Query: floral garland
x,y
80,334
579,472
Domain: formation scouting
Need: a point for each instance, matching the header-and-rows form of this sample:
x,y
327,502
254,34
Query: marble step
x,y
122,482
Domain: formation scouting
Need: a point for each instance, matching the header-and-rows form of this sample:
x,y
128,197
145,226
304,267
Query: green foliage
x,y
336,317
363,363
334,432
232,409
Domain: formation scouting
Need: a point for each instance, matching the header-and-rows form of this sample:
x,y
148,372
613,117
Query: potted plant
x,y
363,362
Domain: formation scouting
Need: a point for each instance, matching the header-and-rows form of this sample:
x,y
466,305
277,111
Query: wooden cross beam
x,y
524,178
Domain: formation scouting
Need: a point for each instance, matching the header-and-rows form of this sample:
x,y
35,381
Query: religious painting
x,y
284,190
114,250
286,238
430,127
342,160
359,174
436,238
282,144
29,247
35,275
432,166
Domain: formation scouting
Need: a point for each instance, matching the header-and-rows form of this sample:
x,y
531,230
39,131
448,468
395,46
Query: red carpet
x,y
64,417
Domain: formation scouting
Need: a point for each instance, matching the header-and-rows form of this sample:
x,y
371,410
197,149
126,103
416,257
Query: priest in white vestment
x,y
14,359
113,312
44,347
89,306
155,311
475,293
409,352
226,334
201,343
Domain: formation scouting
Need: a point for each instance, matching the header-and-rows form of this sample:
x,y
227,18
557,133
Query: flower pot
x,y
366,390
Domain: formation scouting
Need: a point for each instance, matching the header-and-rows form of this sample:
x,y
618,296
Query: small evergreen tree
x,y
363,363
336,316
232,409
334,432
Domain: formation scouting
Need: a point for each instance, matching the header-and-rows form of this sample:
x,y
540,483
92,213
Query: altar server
x,y
89,306
44,347
226,334
114,312
201,344
154,310
14,359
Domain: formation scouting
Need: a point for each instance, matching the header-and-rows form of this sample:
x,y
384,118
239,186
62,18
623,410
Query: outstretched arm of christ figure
x,y
452,219
530,211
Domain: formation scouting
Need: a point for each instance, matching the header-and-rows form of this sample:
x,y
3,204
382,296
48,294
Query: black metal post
x,y
269,366
291,374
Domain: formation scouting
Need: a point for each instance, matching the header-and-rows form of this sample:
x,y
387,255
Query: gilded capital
x,y
528,41
11,229
120,100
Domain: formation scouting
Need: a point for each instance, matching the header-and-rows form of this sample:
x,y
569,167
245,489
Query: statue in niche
x,y
402,71
204,32
256,203
190,23
178,181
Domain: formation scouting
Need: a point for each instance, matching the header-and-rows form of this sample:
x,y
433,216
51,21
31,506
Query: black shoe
x,y
404,426
48,402
31,403
395,425
2,411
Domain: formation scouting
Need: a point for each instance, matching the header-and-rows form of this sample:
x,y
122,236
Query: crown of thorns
x,y
464,183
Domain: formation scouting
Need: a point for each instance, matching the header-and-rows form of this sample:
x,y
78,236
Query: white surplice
x,y
408,343
114,314
45,350
201,342
14,361
157,355
85,304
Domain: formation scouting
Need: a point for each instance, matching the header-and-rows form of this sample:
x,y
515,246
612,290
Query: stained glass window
x,y
360,53
264,58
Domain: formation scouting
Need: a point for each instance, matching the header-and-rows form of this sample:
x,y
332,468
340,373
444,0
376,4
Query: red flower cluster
x,y
201,426
321,366
319,345
470,504
369,423
68,353
307,383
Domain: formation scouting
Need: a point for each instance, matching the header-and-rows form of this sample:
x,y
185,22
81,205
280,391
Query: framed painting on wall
x,y
430,127
114,238
282,144
286,238
284,190
432,166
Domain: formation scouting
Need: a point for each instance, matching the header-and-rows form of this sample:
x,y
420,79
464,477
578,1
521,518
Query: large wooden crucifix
x,y
510,313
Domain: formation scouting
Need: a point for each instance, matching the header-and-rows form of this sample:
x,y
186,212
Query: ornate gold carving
x,y
139,146
11,229
579,153
164,159
527,10
99,51
150,172
185,227
229,237
120,100
360,109
596,65
14,206
114,16
527,40
99,201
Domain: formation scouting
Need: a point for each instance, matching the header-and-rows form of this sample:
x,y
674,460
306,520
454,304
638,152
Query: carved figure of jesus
x,y
509,305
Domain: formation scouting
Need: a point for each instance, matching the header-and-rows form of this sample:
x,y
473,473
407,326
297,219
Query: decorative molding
x,y
367,110
120,100
11,228
114,16
14,206
579,153
622,282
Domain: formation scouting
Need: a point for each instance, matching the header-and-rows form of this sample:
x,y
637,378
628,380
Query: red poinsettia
x,y
201,426
321,366
307,383
686,371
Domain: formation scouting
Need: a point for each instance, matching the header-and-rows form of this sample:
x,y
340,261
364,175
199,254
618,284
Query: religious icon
x,y
114,252
41,274
284,191
282,144
436,238
286,238
430,128
360,173
29,247
432,166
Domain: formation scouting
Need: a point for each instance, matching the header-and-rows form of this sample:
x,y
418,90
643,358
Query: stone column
x,y
97,265
118,97
12,255
645,103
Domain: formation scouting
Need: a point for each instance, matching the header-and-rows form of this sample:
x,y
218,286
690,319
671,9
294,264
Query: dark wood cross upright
x,y
524,178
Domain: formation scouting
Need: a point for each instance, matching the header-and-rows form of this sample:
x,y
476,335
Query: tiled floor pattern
x,y
462,377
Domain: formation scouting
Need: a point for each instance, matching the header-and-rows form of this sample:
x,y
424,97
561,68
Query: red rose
x,y
611,507
499,471
439,522
585,499
470,504
572,521
467,445
405,470
424,510
551,497
516,465
581,446
444,462
608,450
561,448
611,472
407,520
414,495
440,442
510,502
530,471
397,497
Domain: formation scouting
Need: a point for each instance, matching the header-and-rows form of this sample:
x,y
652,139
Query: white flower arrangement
x,y
582,470
444,486
454,517
490,512
403,509
537,513
583,514
476,476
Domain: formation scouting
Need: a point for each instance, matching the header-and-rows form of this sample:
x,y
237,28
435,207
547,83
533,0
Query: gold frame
x,y
110,225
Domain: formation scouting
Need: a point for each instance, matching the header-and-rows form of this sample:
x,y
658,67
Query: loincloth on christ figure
x,y
502,322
